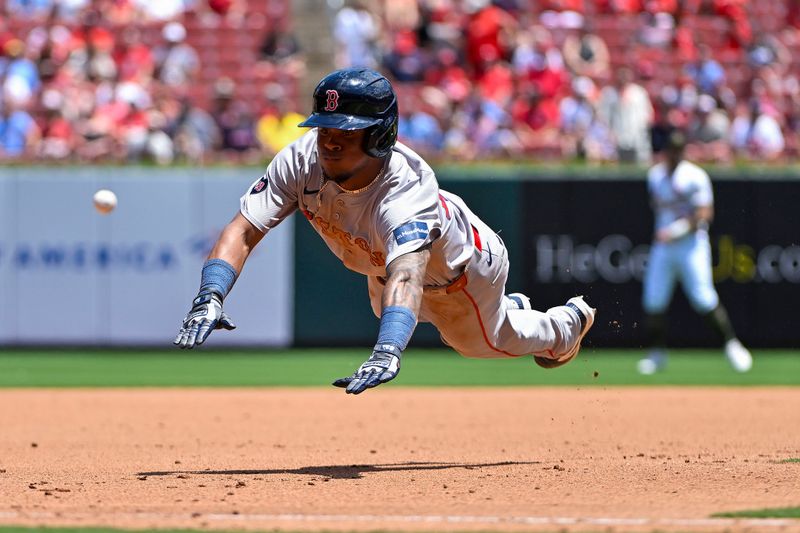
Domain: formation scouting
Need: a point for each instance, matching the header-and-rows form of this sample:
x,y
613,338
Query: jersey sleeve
x,y
702,195
273,197
409,219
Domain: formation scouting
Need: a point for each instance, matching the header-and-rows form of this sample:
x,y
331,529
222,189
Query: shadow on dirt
x,y
340,471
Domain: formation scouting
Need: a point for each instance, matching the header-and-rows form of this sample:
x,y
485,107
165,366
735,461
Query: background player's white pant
x,y
687,260
474,320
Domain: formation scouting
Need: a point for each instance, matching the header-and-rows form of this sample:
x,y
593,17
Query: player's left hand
x,y
382,366
205,316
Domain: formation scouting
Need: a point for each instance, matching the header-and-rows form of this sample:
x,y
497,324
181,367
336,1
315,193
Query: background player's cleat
x,y
656,361
517,300
586,315
738,356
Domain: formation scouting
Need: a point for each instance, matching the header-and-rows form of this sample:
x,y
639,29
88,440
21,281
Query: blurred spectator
x,y
536,118
448,75
541,64
562,14
576,113
496,81
709,132
176,62
18,131
70,11
279,45
234,120
626,109
19,71
586,54
793,126
734,11
134,60
90,46
402,15
192,129
419,128
159,10
620,6
5,34
277,126
58,140
755,133
707,74
441,24
488,33
158,146
767,50
406,61
356,31
280,55
666,117
480,128
29,8
656,29
684,44
598,143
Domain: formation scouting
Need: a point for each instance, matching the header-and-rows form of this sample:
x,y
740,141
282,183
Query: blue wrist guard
x,y
218,276
397,325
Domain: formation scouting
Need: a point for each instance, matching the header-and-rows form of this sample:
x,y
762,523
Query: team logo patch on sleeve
x,y
259,186
411,232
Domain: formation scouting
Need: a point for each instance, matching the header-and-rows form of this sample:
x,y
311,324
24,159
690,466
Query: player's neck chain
x,y
369,185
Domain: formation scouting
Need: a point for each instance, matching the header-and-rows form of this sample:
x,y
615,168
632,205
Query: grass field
x,y
319,367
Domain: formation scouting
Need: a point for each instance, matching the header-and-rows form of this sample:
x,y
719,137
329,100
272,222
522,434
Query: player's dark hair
x,y
676,140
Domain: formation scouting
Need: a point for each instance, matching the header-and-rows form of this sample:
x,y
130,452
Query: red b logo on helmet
x,y
333,100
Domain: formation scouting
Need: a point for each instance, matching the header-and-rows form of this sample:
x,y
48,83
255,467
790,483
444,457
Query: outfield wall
x,y
71,276
584,233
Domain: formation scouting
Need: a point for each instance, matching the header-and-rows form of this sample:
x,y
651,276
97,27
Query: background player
x,y
378,207
683,205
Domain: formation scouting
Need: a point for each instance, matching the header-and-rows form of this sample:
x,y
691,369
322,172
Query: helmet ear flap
x,y
381,138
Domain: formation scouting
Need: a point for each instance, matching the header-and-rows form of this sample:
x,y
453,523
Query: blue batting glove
x,y
382,366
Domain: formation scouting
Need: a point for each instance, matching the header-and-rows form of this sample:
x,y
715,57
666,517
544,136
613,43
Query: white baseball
x,y
105,201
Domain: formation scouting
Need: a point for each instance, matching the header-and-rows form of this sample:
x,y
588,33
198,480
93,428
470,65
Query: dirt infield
x,y
400,458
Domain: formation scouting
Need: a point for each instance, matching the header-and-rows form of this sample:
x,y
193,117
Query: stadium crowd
x,y
597,80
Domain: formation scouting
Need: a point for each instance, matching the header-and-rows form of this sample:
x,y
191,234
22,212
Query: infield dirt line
x,y
226,519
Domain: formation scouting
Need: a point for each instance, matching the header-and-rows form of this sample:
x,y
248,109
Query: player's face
x,y
341,152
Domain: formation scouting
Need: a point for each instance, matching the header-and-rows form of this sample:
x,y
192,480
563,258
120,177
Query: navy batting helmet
x,y
357,99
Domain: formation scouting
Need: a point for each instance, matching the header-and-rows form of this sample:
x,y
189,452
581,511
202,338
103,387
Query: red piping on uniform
x,y
444,204
483,329
478,244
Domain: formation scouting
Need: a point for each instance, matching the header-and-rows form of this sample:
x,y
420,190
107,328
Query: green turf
x,y
792,460
318,367
776,512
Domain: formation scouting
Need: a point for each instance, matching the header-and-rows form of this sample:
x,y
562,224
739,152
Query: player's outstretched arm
x,y
219,273
401,300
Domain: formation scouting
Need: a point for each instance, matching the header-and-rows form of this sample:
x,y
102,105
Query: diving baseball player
x,y
378,207
683,205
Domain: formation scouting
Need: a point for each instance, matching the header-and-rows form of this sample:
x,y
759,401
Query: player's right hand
x,y
382,366
206,315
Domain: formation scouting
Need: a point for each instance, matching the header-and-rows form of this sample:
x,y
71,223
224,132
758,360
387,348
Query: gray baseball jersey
x,y
678,195
402,210
399,212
